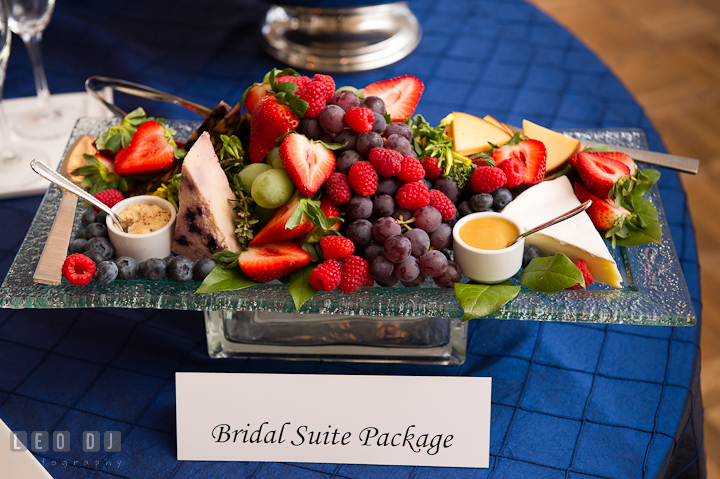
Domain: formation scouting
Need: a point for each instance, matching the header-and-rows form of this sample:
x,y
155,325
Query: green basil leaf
x,y
299,286
224,279
645,228
479,300
226,259
645,180
551,274
297,215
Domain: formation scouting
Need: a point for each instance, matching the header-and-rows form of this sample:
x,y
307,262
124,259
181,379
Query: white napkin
x,y
17,464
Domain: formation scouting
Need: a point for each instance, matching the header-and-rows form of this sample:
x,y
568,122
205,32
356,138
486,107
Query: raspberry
x,y
299,81
355,272
583,267
326,276
360,119
337,187
431,167
109,197
413,195
314,94
78,269
486,179
442,203
386,162
328,83
410,170
514,169
369,282
337,247
363,178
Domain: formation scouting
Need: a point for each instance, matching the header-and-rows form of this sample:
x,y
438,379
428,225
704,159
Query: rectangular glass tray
x,y
655,292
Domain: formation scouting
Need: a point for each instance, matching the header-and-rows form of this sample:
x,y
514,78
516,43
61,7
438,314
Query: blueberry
x,y
127,267
88,216
202,268
501,197
168,258
153,269
105,272
96,230
82,234
77,246
100,217
96,257
529,254
101,245
481,202
453,220
463,208
180,269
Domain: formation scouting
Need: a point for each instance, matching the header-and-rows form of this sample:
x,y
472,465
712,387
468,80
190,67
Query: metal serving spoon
x,y
563,217
54,177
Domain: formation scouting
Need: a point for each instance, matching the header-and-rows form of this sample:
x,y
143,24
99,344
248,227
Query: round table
x,y
568,400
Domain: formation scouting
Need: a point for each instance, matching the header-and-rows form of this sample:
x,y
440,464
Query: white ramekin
x,y
142,247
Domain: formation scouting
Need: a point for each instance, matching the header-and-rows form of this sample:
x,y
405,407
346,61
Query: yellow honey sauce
x,y
488,233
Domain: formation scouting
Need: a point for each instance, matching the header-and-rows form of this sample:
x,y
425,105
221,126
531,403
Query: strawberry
x,y
622,158
401,95
253,95
599,174
330,211
275,230
603,213
151,151
271,261
587,275
531,152
307,163
270,120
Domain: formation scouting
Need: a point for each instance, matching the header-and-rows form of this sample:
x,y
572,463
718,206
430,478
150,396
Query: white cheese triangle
x,y
577,238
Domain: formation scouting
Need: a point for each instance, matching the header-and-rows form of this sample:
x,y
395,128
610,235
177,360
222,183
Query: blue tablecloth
x,y
569,400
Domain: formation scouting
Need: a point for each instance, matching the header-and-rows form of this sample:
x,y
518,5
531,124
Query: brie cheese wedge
x,y
576,237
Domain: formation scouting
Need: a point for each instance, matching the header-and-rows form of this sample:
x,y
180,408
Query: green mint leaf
x,y
479,300
551,274
224,279
645,180
299,286
226,259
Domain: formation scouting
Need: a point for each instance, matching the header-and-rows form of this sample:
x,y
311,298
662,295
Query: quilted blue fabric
x,y
569,400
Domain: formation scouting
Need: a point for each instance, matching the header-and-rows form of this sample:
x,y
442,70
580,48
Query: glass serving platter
x,y
655,292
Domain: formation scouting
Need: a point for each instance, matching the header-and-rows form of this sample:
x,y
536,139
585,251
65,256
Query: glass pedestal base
x,y
401,339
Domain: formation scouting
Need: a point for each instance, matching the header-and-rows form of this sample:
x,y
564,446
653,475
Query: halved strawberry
x,y
330,211
401,95
307,163
598,173
271,261
622,158
603,213
531,152
253,95
270,120
151,150
274,230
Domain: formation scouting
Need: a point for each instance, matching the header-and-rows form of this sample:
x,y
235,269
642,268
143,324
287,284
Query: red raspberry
x,y
109,197
360,119
78,269
369,282
314,94
514,169
337,247
442,203
299,81
486,179
386,162
583,267
363,178
410,170
355,272
328,83
326,276
431,167
337,187
412,196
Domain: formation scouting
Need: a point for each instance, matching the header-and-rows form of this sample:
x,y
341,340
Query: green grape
x,y
249,173
272,188
273,159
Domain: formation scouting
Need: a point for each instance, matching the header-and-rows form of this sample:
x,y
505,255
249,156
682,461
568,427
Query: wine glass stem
x,y
6,151
32,42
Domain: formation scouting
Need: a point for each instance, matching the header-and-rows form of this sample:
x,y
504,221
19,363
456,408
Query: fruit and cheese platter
x,y
316,198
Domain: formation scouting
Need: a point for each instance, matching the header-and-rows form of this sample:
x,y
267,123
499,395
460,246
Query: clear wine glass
x,y
28,19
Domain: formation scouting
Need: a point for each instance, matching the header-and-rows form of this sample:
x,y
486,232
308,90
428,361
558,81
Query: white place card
x,y
390,420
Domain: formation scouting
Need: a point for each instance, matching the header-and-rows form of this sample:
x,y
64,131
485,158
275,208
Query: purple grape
x,y
428,183
449,187
399,128
407,270
398,143
347,137
406,214
384,205
359,207
388,186
374,103
381,269
379,124
391,281
451,276
433,263
368,141
427,218
397,248
441,238
372,251
384,228
419,241
346,159
332,118
416,282
359,232
345,99
310,127
327,137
